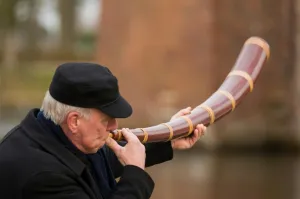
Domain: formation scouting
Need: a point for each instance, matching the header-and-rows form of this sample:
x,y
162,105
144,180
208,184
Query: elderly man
x,y
63,150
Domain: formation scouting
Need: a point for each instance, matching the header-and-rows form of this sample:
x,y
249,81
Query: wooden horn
x,y
238,83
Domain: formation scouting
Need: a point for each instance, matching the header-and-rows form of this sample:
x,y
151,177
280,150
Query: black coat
x,y
34,165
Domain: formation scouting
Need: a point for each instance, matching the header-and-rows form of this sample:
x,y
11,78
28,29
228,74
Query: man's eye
x,y
105,120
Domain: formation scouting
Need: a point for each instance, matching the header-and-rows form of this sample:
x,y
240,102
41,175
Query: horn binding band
x,y
237,84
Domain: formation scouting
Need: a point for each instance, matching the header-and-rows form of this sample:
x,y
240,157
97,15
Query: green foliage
x,y
7,13
86,41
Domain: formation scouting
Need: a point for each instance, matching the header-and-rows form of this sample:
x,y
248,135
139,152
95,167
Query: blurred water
x,y
195,174
207,176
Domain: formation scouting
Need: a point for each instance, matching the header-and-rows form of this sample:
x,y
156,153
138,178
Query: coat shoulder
x,y
21,156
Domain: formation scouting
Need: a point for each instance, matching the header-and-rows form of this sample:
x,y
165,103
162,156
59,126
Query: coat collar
x,y
36,131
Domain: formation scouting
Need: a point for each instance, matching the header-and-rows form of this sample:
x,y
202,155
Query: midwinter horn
x,y
238,83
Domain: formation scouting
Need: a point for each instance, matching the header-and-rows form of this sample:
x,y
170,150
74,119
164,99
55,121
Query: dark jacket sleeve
x,y
156,153
135,183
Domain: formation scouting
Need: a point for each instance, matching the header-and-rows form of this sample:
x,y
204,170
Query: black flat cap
x,y
89,85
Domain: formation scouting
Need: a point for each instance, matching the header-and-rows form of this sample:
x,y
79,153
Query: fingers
x,y
196,136
133,153
182,112
185,111
111,143
199,131
129,136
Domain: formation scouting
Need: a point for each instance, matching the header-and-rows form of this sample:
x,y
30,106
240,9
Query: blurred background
x,y
170,54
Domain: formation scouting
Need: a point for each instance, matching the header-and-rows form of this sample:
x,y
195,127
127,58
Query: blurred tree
x,y
8,33
67,10
31,30
7,14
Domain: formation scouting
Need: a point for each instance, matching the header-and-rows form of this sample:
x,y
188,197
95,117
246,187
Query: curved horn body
x,y
238,83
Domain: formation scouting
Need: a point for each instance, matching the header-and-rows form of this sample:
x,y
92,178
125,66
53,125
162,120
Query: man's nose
x,y
112,124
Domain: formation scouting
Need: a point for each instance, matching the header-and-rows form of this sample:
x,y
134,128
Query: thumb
x,y
113,145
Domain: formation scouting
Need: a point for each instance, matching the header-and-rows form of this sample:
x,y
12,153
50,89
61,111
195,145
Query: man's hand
x,y
187,142
133,153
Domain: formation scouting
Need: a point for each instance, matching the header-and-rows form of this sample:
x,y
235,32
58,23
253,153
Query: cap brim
x,y
118,109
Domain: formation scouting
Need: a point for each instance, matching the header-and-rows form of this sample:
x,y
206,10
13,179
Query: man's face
x,y
90,134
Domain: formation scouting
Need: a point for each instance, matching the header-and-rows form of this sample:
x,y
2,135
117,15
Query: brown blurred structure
x,y
170,54
173,54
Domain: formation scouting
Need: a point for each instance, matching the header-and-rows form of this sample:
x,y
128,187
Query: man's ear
x,y
73,121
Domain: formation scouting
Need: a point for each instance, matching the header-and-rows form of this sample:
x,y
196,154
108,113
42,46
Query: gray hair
x,y
57,111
